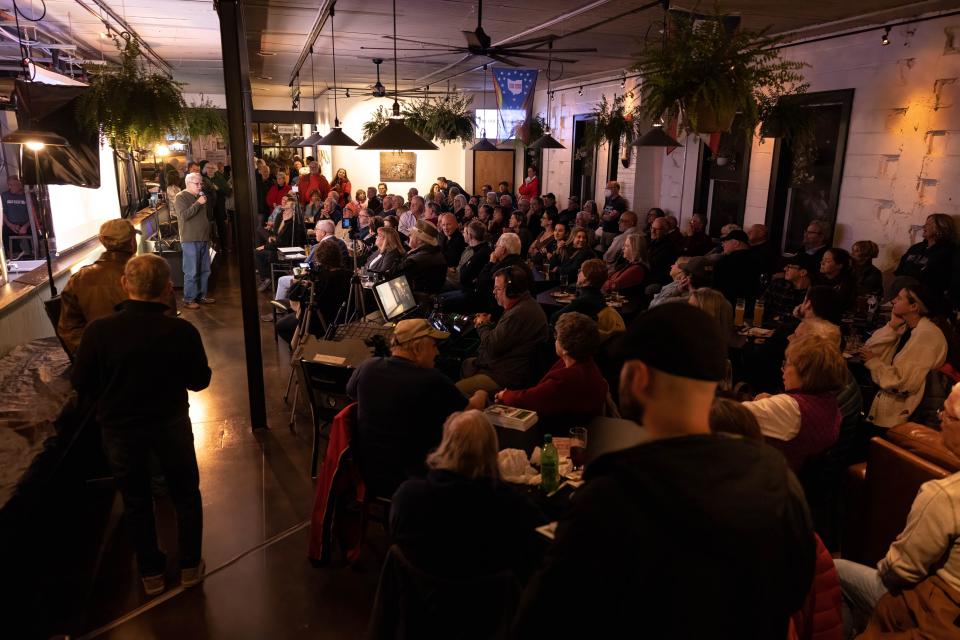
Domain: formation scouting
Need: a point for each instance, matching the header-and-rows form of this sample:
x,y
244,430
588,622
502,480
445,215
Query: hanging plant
x,y
704,74
446,119
128,106
612,122
379,119
529,131
203,119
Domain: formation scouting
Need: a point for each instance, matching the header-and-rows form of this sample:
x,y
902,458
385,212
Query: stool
x,y
10,240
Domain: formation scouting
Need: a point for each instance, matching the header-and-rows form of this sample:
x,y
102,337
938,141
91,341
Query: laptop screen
x,y
395,297
149,227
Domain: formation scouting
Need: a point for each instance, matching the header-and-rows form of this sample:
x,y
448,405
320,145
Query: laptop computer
x,y
395,299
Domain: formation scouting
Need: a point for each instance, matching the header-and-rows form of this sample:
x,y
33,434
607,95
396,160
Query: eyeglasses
x,y
945,416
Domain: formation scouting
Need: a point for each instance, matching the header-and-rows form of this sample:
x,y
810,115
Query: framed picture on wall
x,y
398,166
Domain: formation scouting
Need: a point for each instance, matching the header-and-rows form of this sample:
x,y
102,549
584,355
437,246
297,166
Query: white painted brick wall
x,y
903,145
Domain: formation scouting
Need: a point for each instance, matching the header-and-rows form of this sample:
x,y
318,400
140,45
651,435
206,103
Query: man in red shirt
x,y
311,182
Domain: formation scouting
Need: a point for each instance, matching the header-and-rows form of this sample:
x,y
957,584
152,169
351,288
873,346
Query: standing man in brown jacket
x,y
94,291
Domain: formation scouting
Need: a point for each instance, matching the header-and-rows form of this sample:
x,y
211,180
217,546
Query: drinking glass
x,y
739,312
578,447
564,283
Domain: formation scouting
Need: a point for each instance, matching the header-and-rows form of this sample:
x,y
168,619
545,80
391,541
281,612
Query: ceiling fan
x,y
377,90
480,44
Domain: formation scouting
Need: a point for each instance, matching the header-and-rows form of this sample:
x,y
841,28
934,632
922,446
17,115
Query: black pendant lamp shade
x,y
310,140
484,145
396,135
656,137
547,141
336,137
39,138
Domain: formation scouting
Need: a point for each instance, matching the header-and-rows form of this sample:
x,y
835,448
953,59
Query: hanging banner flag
x,y
514,88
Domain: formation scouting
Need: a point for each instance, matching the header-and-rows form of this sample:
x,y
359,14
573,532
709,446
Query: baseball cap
x,y
801,260
116,234
737,234
427,232
407,330
678,339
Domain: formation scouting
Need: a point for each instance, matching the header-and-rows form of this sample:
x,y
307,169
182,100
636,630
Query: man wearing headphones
x,y
507,347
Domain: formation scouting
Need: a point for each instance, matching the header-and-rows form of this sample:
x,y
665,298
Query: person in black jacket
x,y
661,251
384,263
931,260
868,277
590,300
565,263
505,254
736,274
452,242
425,266
687,519
835,272
461,521
116,362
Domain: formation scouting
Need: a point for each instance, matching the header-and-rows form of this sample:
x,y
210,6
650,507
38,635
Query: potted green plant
x,y
613,121
203,119
704,74
378,120
129,106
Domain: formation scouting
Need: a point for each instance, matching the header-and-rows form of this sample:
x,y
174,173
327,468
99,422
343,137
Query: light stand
x,y
42,217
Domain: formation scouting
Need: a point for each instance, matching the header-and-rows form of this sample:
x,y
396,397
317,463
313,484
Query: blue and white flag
x,y
514,89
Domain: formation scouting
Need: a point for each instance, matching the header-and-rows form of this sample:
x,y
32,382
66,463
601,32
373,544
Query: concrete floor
x,y
257,496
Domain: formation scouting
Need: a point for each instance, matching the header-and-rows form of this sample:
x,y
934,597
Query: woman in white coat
x,y
900,354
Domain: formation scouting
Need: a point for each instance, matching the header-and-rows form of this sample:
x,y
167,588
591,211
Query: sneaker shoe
x,y
191,305
153,585
206,300
193,575
281,307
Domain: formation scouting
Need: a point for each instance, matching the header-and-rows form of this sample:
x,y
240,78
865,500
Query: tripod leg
x,y
293,406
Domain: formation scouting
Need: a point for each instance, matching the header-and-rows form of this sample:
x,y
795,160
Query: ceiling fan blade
x,y
399,39
412,49
540,40
590,50
501,59
473,40
515,54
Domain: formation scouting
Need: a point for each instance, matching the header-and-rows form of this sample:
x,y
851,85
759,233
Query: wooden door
x,y
492,167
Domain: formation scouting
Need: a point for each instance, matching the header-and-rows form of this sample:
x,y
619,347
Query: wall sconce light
x,y
885,40
580,92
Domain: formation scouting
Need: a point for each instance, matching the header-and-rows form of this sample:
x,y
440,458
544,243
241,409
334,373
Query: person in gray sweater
x,y
194,241
507,347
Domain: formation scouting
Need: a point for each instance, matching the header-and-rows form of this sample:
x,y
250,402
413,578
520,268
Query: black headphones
x,y
517,282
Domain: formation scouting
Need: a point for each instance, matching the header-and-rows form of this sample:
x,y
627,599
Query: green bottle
x,y
549,465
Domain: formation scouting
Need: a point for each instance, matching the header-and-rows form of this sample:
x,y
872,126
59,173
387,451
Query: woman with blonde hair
x,y
384,262
867,276
629,278
716,305
804,420
460,520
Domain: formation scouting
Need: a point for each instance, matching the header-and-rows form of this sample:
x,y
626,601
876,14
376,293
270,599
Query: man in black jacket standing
x,y
687,535
142,408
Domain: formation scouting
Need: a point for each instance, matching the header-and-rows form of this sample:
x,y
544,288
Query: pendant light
x,y
484,144
314,137
336,137
547,141
397,135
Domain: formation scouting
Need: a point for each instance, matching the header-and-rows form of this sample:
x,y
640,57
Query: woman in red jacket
x,y
278,190
341,184
531,185
574,388
630,278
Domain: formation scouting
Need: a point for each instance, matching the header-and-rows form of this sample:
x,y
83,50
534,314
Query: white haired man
x,y
195,234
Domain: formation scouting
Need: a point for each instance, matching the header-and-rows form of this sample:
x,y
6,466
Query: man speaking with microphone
x,y
194,241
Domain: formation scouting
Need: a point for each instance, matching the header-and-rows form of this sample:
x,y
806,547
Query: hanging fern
x,y
378,120
203,119
127,105
702,68
612,122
